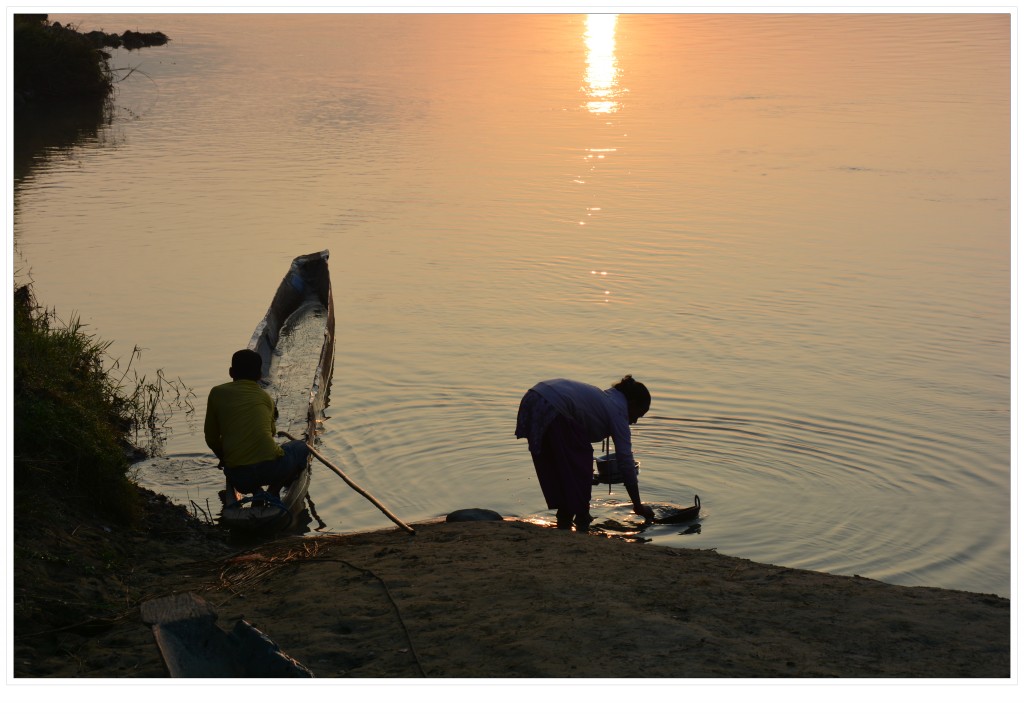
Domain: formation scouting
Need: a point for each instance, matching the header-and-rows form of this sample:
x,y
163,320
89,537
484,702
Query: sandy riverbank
x,y
512,600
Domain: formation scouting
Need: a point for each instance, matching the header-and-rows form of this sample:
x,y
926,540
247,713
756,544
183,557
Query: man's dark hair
x,y
246,364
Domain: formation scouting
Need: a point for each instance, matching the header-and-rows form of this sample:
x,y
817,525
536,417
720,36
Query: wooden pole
x,y
353,485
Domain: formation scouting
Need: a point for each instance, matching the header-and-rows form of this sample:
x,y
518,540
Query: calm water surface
x,y
794,228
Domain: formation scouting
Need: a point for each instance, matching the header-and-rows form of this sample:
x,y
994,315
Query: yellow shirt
x,y
239,425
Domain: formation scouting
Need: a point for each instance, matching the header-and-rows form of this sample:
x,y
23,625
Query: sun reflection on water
x,y
602,69
602,89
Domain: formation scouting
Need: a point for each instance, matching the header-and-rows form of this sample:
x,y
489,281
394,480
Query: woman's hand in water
x,y
644,511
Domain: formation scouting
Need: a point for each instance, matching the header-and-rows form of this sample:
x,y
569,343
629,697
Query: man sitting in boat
x,y
240,429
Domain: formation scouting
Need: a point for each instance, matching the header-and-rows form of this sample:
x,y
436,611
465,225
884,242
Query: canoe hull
x,y
307,279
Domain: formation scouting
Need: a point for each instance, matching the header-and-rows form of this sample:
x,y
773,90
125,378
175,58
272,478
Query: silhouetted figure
x,y
240,429
561,420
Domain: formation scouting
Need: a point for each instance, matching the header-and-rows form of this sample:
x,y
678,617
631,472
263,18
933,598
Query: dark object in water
x,y
474,515
681,515
192,645
129,40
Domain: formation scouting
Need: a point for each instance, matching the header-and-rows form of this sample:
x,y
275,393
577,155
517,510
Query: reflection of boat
x,y
304,291
678,516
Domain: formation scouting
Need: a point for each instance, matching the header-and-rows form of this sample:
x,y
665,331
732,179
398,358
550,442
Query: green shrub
x,y
71,421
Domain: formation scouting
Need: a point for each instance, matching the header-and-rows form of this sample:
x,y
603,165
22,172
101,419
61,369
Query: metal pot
x,y
608,469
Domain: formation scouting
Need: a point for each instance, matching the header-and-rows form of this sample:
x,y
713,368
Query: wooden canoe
x,y
305,288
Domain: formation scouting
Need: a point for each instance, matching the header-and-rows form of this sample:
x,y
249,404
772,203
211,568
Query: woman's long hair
x,y
636,393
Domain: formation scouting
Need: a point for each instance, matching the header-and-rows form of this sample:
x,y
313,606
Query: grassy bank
x,y
82,526
72,419
80,415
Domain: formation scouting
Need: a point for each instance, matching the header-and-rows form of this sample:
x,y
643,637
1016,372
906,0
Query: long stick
x,y
354,486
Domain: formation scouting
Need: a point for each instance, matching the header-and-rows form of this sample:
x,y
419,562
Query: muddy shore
x,y
492,600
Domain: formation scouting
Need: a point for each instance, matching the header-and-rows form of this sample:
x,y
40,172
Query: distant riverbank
x,y
57,64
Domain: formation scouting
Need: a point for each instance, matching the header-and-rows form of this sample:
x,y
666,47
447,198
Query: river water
x,y
795,229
